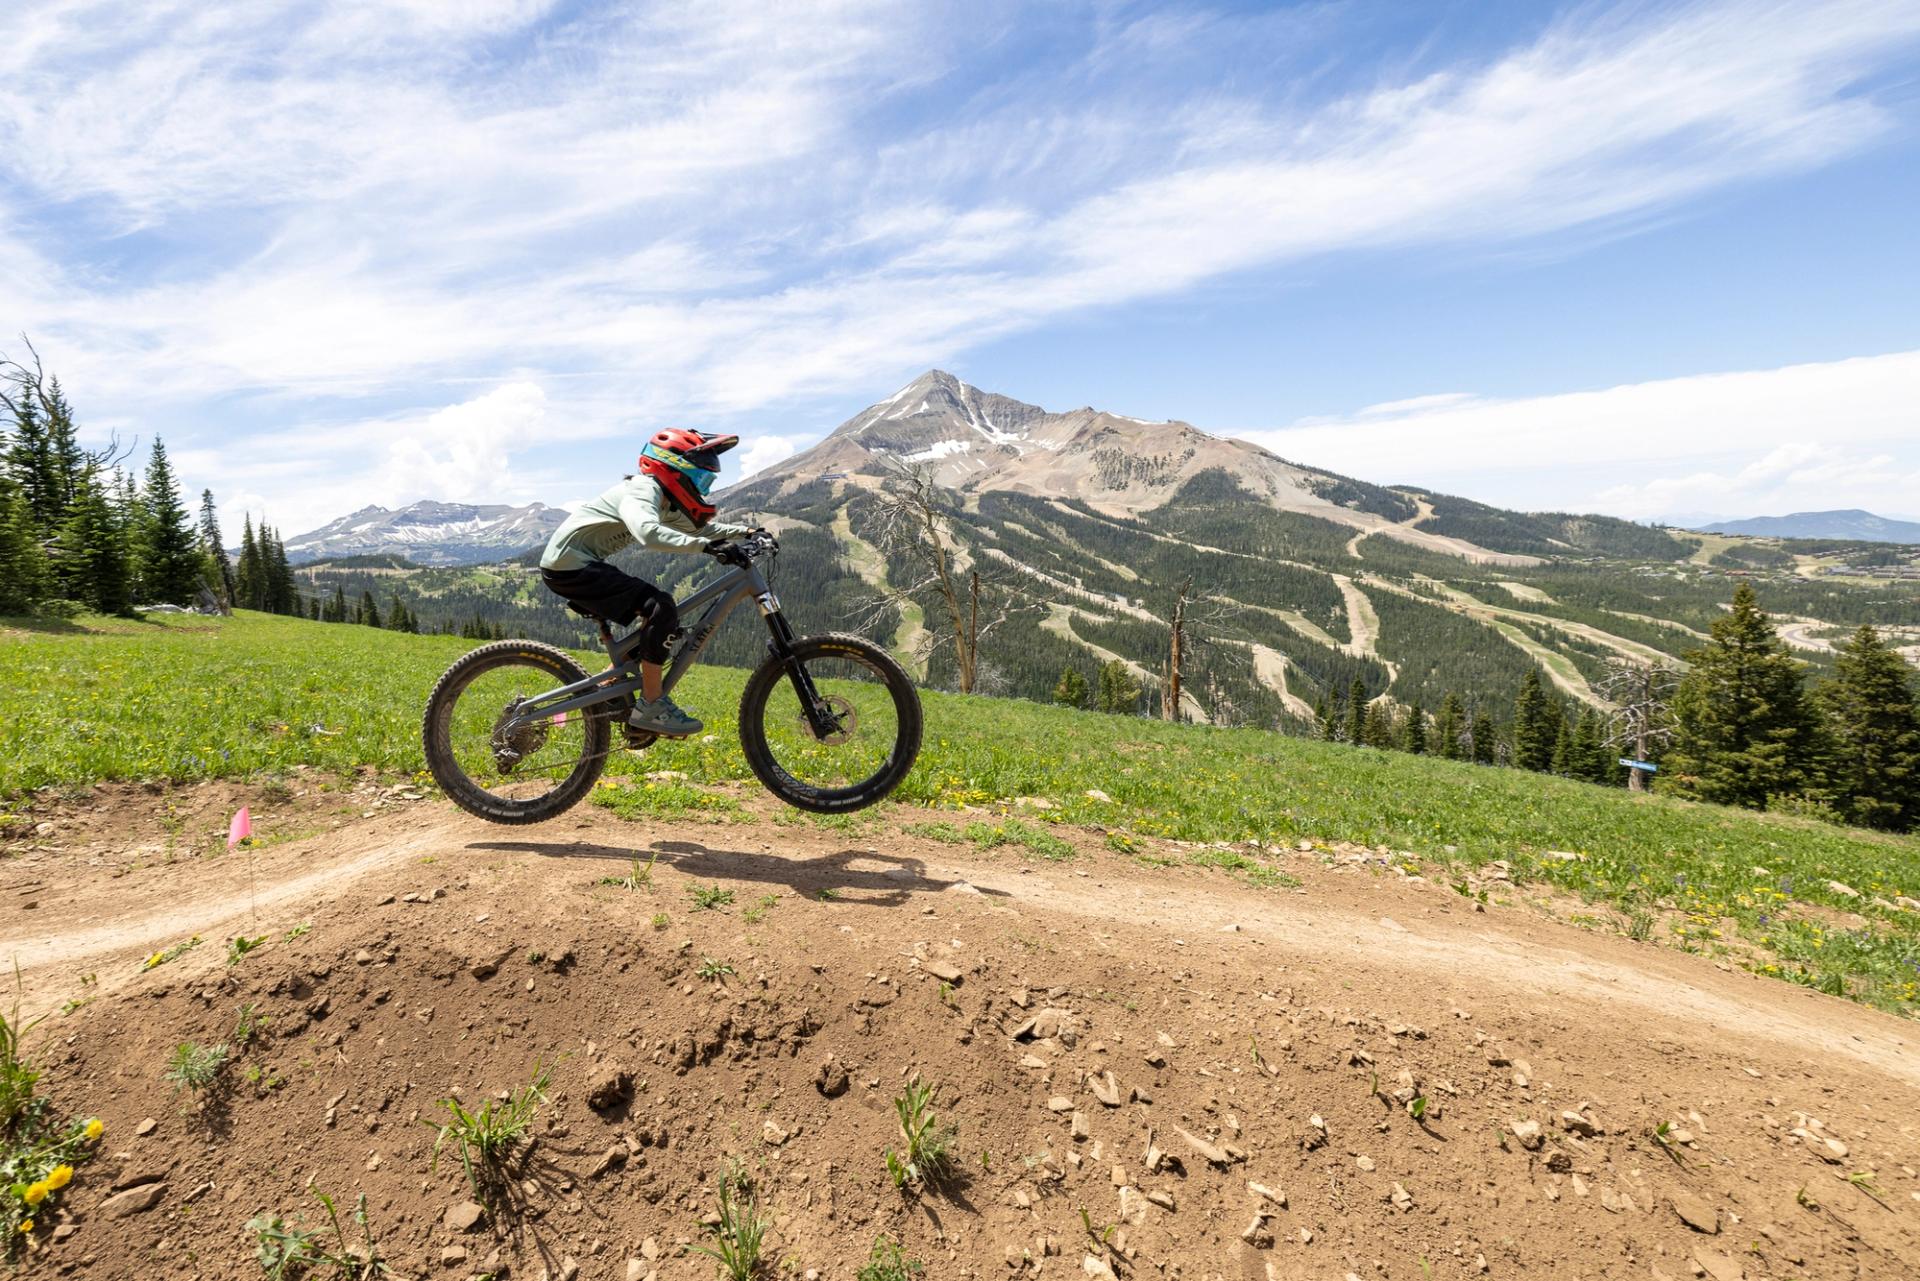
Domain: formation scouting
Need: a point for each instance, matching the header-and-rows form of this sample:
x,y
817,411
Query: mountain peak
x,y
432,532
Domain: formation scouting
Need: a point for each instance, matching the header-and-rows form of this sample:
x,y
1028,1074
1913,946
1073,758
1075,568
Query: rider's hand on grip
x,y
726,552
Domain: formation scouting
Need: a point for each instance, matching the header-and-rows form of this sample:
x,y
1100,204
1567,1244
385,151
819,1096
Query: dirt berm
x,y
1154,1071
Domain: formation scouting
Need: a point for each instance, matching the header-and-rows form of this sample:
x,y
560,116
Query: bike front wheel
x,y
518,775
876,717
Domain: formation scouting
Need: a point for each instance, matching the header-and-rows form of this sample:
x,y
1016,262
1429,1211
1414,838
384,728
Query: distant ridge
x,y
1851,524
431,533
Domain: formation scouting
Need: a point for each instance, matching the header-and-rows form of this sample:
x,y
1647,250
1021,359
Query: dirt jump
x,y
1151,1069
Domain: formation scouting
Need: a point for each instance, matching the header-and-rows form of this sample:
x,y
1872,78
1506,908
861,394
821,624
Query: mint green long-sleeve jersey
x,y
634,511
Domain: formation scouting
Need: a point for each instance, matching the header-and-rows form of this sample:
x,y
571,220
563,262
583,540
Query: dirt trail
x,y
1270,666
443,953
1364,626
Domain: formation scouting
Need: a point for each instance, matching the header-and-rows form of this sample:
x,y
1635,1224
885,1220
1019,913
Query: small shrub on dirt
x,y
1639,925
942,831
288,1252
713,971
17,1076
887,1263
638,877
247,1025
739,1235
490,1136
661,921
178,950
238,947
38,1155
758,912
196,1067
1122,843
927,1155
709,898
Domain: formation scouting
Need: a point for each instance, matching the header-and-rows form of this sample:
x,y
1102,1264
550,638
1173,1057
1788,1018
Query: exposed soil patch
x,y
1221,1076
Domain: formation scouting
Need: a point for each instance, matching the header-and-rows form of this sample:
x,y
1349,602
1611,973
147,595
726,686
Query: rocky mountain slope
x,y
978,442
432,533
1309,580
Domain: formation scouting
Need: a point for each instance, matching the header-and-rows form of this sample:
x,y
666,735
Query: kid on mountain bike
x,y
663,508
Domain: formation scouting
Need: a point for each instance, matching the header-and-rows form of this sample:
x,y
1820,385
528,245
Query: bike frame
x,y
718,599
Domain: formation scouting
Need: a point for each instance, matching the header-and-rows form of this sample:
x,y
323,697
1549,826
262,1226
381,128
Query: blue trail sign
x,y
1648,766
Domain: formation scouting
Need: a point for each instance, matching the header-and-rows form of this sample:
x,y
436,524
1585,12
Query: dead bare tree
x,y
913,520
1641,694
25,389
1193,625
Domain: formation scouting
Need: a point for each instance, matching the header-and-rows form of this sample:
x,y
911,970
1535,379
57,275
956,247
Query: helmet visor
x,y
701,478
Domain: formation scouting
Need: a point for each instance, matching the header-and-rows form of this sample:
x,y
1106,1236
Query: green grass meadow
x,y
184,698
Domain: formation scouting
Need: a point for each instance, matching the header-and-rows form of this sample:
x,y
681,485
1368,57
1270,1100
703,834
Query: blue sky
x,y
1647,259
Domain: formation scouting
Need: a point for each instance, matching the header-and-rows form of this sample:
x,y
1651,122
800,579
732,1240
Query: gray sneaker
x,y
664,718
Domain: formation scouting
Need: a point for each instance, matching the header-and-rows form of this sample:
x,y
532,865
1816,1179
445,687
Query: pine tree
x,y
30,463
1873,724
219,567
1071,691
1377,729
130,514
336,611
94,547
1416,737
1331,722
70,467
23,577
1119,691
369,612
1485,748
1743,730
313,609
250,591
1357,712
170,562
1590,749
1449,727
283,594
1533,725
1563,759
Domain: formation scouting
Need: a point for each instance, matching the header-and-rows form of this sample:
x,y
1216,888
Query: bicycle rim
x,y
867,724
521,765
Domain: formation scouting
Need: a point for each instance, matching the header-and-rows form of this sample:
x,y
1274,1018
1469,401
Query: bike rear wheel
x,y
528,774
878,721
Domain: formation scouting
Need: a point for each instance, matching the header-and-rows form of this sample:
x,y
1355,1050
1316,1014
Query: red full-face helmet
x,y
686,463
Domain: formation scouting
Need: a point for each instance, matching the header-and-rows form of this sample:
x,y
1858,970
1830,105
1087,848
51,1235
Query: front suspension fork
x,y
820,717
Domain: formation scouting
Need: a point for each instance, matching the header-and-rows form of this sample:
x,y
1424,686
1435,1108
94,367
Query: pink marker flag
x,y
240,829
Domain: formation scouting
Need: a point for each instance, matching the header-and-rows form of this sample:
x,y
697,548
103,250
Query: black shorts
x,y
603,591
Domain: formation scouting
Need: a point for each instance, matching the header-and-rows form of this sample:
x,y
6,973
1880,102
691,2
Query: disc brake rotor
x,y
844,716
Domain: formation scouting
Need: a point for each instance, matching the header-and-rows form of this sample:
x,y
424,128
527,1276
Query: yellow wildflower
x,y
61,1176
26,1225
37,1193
94,1128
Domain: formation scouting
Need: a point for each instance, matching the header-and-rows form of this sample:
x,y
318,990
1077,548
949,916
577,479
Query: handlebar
x,y
744,551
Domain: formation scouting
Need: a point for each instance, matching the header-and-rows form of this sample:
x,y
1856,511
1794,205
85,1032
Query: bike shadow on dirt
x,y
836,875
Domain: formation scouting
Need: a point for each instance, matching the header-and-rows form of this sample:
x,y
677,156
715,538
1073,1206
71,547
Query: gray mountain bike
x,y
517,731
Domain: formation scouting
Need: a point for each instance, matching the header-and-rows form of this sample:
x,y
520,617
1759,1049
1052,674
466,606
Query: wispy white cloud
x,y
1837,434
301,212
